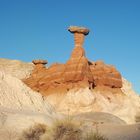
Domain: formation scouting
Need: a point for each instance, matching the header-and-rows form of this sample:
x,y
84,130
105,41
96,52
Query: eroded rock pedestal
x,y
78,72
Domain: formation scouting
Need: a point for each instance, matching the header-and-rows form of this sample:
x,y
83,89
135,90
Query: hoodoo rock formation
x,y
78,72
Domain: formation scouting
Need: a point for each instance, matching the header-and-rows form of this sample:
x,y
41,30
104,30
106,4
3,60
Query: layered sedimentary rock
x,y
78,72
105,75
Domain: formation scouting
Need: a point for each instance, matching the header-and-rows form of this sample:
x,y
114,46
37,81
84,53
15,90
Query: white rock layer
x,y
14,94
125,106
16,68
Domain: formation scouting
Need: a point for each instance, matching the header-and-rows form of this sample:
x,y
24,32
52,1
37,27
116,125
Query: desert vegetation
x,y
137,117
6,133
34,132
3,118
94,136
65,129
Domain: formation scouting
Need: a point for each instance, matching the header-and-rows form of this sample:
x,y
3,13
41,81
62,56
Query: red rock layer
x,y
78,72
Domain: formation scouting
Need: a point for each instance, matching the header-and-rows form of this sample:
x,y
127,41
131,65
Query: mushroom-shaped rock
x,y
39,64
79,35
76,29
39,61
77,73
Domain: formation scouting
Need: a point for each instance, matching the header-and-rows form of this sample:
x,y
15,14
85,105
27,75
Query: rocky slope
x,y
14,94
16,68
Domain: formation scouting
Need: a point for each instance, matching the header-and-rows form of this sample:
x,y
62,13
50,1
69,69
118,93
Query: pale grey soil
x,y
100,117
110,126
121,132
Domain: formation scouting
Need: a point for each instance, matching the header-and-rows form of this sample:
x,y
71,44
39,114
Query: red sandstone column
x,y
79,34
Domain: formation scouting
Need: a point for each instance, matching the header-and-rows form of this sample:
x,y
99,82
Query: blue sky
x,y
32,29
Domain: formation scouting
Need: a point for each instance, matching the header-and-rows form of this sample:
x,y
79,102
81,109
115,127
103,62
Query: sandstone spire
x,y
77,68
78,72
39,66
79,35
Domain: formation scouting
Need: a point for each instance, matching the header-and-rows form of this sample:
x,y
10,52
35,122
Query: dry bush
x,y
8,133
3,118
12,135
137,117
94,136
66,129
34,132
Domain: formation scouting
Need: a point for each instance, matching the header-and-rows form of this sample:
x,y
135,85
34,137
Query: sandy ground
x,y
16,122
121,132
110,126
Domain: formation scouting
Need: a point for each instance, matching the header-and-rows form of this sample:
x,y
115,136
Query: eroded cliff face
x,y
78,72
15,95
88,86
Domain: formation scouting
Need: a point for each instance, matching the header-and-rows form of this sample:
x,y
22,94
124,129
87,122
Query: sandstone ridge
x,y
77,72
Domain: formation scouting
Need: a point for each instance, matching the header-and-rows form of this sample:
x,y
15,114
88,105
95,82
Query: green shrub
x,y
34,132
